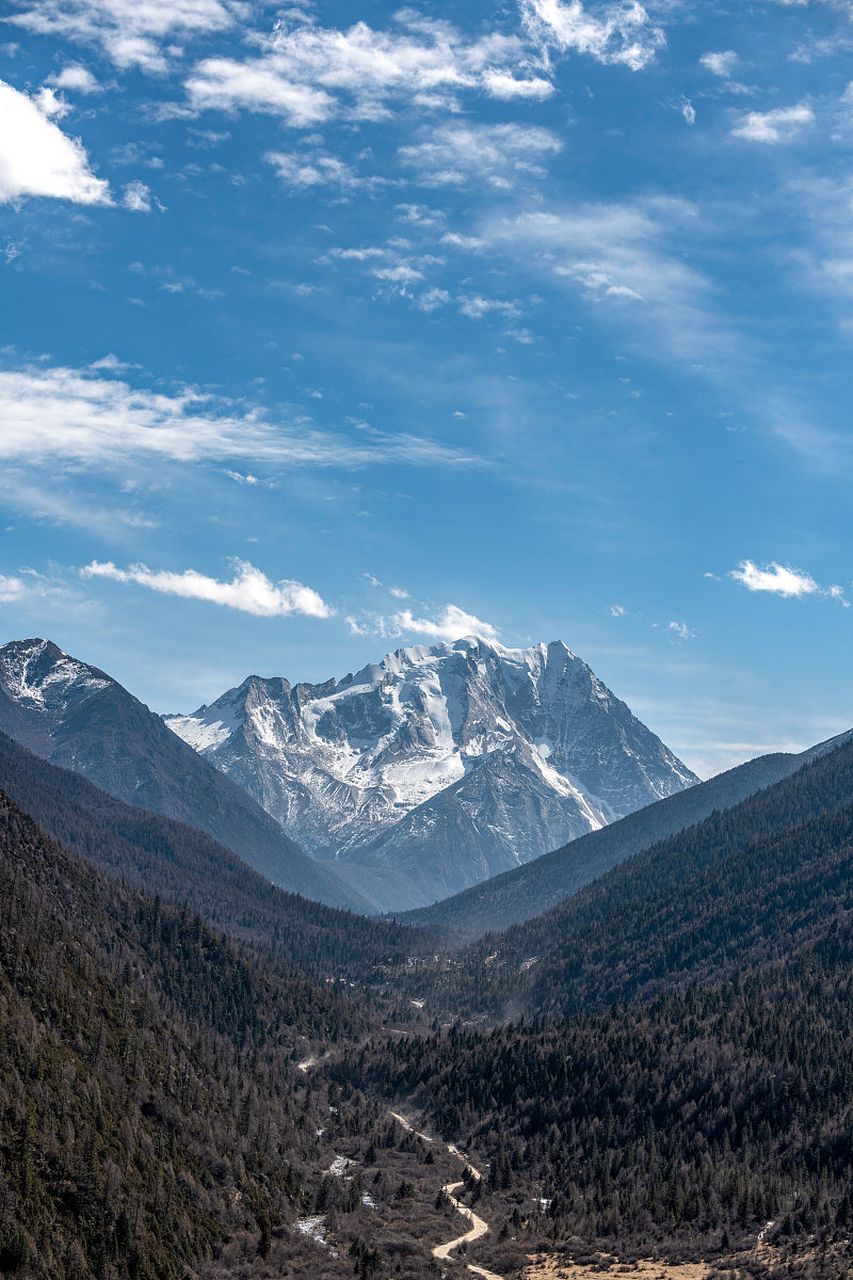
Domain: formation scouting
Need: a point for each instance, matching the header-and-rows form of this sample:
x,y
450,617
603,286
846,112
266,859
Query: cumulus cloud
x,y
455,154
447,623
249,591
785,581
70,415
37,158
616,33
307,73
720,64
778,579
780,125
132,33
75,78
451,622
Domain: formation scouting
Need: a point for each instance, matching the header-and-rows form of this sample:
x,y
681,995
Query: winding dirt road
x,y
479,1226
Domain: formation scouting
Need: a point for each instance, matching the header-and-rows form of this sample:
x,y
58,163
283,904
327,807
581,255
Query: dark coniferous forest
x,y
198,1080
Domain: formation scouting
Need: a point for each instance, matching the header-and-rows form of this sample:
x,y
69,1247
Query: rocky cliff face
x,y
438,766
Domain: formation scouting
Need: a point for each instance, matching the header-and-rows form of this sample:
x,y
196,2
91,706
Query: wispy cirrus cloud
x,y
623,257
248,591
37,158
613,33
457,154
64,415
132,33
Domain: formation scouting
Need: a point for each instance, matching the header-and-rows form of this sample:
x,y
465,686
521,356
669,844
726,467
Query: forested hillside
x,y
188,867
679,1128
155,1122
681,1079
742,885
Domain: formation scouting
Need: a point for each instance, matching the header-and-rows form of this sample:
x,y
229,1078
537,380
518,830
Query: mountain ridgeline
x,y
76,716
438,767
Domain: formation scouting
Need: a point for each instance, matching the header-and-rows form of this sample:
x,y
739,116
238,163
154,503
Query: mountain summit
x,y
439,766
78,717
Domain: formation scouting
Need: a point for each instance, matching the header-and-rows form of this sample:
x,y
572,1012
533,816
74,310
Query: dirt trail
x,y
479,1226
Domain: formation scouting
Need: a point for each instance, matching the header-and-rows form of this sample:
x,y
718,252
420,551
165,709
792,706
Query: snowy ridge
x,y
448,763
36,671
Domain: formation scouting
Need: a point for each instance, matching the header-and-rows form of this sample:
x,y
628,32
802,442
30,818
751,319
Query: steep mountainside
x,y
131,1138
159,1120
77,716
530,890
441,766
187,867
738,889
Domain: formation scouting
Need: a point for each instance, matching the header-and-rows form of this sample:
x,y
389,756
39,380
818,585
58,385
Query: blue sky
x,y
333,327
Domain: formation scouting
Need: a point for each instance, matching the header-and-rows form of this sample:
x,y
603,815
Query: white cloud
x,y
77,79
626,259
778,579
476,306
221,84
720,64
401,274
307,73
617,611
450,623
504,85
455,154
780,125
457,241
37,158
249,591
137,197
680,631
11,589
688,111
50,415
615,33
303,171
131,32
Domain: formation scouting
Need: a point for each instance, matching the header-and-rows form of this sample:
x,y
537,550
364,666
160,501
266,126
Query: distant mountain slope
x,y
187,867
732,892
438,766
79,717
529,890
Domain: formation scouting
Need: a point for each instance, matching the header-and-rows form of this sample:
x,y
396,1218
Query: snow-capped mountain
x,y
438,766
78,717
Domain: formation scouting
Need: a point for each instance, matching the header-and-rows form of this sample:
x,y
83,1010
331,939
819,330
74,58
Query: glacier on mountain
x,y
440,765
